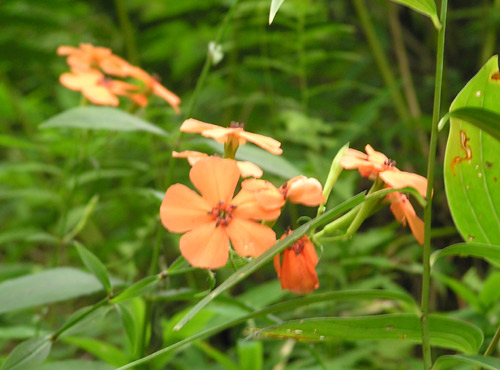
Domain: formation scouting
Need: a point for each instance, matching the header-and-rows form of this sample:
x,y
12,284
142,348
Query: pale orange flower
x,y
300,190
95,87
227,134
85,57
247,169
209,221
297,271
374,164
403,211
155,87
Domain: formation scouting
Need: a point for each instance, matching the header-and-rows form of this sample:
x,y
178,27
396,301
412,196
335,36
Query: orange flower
x,y
247,169
297,271
403,211
234,133
155,87
85,57
375,164
300,189
95,87
209,221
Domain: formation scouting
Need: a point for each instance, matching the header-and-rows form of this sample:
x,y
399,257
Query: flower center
x,y
222,213
283,189
235,124
297,247
389,163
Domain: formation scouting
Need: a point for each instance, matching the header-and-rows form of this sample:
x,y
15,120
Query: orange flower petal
x,y
77,81
298,274
250,238
194,126
306,191
220,134
206,246
182,209
265,142
100,95
115,66
277,264
248,169
191,156
403,211
268,196
248,207
66,50
399,179
167,95
215,178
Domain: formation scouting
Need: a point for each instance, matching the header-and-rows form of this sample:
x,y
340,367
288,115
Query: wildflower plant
x,y
221,218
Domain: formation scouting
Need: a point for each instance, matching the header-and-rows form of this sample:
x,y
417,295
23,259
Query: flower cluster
x,y
94,71
375,165
216,219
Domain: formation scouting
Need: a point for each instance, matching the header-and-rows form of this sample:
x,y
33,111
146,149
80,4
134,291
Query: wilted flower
x,y
403,212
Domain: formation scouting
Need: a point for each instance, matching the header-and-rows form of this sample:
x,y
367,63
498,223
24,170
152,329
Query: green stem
x,y
426,347
365,210
127,32
199,85
339,223
380,59
493,344
304,94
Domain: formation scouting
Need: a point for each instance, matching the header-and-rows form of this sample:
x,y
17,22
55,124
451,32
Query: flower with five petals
x,y
211,220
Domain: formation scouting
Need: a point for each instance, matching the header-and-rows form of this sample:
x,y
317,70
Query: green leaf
x,y
472,163
94,265
28,354
101,118
275,6
450,361
486,120
270,253
490,294
426,7
74,365
282,306
102,350
45,287
489,252
250,355
137,289
444,332
129,325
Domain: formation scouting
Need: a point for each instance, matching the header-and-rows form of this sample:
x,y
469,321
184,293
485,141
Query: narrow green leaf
x,y
46,287
139,288
486,120
489,252
275,6
283,306
94,265
426,7
89,209
450,361
101,118
444,332
28,354
270,253
472,163
333,175
102,350
250,355
129,325
74,365
218,356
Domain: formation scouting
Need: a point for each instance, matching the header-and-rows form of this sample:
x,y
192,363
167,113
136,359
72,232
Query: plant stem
x,y
426,347
127,32
493,344
381,59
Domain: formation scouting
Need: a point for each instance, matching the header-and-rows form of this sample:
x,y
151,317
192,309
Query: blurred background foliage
x,y
309,80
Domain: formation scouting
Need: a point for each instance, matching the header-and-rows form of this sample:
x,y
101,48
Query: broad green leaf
x,y
101,118
450,362
19,332
94,265
74,365
137,289
472,163
275,6
489,252
282,306
28,354
426,7
45,287
444,332
102,350
490,294
268,255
